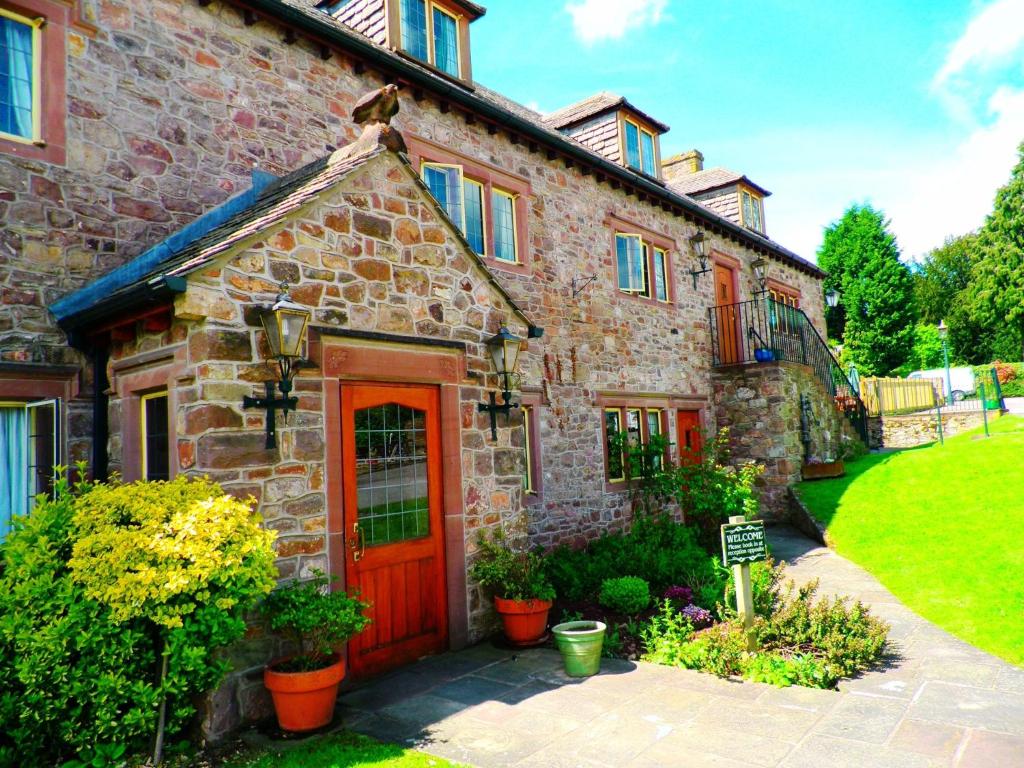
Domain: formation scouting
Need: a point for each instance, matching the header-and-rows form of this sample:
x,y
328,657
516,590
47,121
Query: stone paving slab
x,y
937,703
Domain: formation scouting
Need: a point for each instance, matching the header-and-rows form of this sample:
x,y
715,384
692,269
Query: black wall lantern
x,y
760,266
700,251
504,349
285,326
832,298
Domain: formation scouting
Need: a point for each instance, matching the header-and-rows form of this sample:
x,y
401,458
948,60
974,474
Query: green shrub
x,y
656,549
711,490
625,594
317,620
99,586
509,569
803,641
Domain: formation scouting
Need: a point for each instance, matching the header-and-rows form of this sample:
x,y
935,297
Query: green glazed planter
x,y
580,643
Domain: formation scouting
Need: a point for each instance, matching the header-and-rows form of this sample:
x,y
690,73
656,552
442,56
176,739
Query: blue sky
x,y
916,106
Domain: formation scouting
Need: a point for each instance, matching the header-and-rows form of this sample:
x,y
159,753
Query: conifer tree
x,y
876,312
998,284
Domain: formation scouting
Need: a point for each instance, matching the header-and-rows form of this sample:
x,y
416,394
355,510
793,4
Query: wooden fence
x,y
890,396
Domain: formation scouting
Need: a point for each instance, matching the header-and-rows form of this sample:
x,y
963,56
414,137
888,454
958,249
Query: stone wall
x,y
919,429
760,406
170,106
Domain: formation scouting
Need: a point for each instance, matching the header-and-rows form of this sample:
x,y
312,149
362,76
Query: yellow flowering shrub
x,y
160,550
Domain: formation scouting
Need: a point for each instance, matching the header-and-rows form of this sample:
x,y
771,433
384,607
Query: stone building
x,y
171,163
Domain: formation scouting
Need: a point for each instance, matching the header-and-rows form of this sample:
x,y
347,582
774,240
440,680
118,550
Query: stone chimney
x,y
682,165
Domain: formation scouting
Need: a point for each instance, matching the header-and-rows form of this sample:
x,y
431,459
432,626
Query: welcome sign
x,y
743,543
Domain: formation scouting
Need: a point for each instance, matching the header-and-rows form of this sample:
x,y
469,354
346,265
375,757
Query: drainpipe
x,y
805,425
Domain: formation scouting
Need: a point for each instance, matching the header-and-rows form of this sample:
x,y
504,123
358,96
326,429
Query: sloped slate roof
x,y
276,202
710,179
592,106
492,106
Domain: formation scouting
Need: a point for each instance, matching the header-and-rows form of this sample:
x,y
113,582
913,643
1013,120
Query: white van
x,y
961,378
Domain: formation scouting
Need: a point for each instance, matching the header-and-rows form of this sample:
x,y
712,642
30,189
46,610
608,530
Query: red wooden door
x,y
691,439
394,554
726,315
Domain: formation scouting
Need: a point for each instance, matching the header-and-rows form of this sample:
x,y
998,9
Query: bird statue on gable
x,y
374,112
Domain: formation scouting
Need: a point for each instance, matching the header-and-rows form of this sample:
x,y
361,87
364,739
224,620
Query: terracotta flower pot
x,y
304,701
823,470
525,621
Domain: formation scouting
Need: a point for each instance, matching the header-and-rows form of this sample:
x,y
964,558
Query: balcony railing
x,y
765,330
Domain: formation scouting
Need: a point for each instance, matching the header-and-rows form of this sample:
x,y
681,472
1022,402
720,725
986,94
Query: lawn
x,y
342,750
941,527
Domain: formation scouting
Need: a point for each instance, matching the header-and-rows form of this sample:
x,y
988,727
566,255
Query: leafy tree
x,y
876,313
943,276
998,284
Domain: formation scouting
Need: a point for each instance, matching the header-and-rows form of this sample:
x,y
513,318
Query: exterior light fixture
x,y
832,298
760,267
285,326
504,349
700,251
943,330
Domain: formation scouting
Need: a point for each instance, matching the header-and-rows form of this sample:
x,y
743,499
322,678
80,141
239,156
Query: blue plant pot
x,y
764,355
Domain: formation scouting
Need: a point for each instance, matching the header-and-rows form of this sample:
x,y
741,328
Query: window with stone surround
x,y
32,79
639,423
430,33
487,204
642,268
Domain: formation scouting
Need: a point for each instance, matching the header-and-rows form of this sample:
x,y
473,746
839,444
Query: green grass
x,y
342,750
942,528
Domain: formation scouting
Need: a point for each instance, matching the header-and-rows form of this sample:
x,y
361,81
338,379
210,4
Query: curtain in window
x,y
14,491
504,226
414,28
660,281
15,78
474,196
446,46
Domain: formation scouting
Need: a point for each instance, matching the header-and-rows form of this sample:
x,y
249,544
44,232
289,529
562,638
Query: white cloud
x,y
991,37
595,20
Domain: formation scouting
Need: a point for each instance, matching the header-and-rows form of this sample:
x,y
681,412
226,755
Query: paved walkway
x,y
941,702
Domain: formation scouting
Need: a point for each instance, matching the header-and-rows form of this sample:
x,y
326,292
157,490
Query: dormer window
x,y
430,33
640,152
751,211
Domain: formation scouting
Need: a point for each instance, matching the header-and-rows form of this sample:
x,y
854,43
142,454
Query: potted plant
x,y
522,592
304,687
764,355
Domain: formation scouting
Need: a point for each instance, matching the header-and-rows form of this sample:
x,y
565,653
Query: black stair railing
x,y
764,330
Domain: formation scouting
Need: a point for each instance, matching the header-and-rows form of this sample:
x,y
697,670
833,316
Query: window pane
x,y
653,429
648,153
446,46
445,184
156,463
43,446
629,254
660,279
414,28
755,213
632,146
16,78
474,195
613,426
391,473
641,274
504,226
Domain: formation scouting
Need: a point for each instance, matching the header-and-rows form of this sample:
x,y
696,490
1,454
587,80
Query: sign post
x,y
743,543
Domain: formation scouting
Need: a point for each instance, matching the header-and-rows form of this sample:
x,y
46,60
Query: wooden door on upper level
x,y
727,328
393,522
